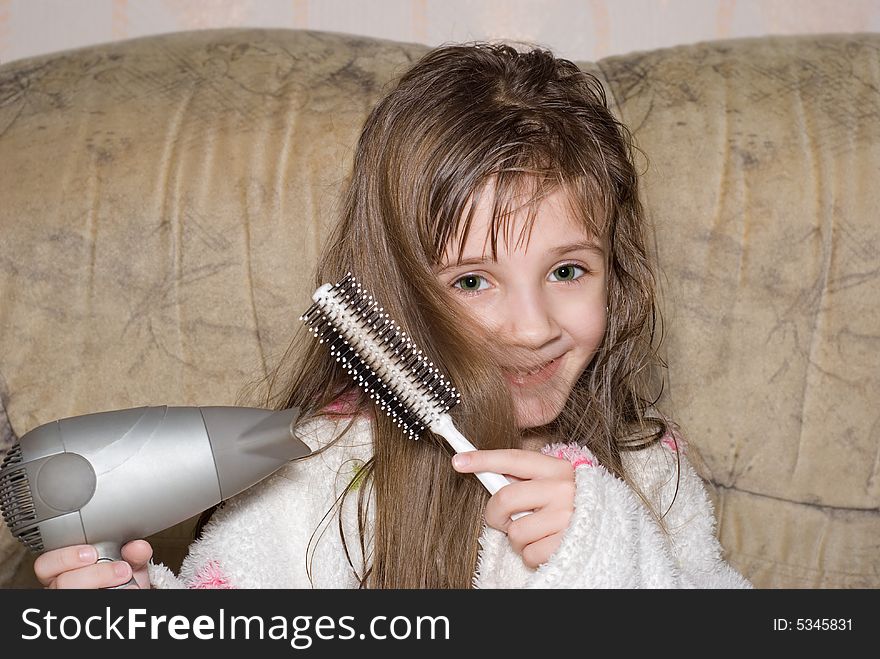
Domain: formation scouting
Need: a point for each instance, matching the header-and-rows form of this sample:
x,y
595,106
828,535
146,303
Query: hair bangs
x,y
516,198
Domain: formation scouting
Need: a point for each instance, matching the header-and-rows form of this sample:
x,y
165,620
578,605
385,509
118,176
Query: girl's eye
x,y
568,272
471,283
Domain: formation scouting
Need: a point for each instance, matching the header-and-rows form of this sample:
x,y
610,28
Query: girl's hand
x,y
77,567
542,483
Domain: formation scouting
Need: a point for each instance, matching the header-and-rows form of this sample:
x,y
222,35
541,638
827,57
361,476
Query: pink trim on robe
x,y
210,577
673,441
575,454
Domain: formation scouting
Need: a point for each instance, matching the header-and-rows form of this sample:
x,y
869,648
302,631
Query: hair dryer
x,y
110,477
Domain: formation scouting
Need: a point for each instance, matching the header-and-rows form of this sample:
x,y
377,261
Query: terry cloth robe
x,y
261,537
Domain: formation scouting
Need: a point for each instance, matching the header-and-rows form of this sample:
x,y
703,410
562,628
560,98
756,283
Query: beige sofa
x,y
162,202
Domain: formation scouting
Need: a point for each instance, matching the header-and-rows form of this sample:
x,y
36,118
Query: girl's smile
x,y
538,375
543,296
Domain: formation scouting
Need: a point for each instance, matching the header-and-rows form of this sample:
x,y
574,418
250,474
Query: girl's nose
x,y
530,321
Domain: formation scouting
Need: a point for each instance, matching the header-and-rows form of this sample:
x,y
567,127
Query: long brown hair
x,y
463,116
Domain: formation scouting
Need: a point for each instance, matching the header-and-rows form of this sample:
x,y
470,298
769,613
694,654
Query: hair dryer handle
x,y
112,551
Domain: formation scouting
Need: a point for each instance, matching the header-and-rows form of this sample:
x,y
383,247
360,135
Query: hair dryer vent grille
x,y
16,501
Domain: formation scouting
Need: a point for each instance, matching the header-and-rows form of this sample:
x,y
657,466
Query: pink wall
x,y
578,29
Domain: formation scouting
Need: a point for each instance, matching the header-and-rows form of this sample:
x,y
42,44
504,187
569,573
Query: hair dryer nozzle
x,y
250,443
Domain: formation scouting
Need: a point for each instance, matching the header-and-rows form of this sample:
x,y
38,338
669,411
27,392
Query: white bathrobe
x,y
260,538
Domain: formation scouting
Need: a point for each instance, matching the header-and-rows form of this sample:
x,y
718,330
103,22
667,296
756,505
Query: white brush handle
x,y
460,444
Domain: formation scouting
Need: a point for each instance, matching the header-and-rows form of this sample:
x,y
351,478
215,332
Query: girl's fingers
x,y
529,495
49,565
100,575
539,552
541,483
514,462
528,529
533,528
76,567
137,553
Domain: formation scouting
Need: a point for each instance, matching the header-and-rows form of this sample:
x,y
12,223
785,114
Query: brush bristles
x,y
379,356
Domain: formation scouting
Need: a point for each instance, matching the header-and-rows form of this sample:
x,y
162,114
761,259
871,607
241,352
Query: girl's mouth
x,y
536,376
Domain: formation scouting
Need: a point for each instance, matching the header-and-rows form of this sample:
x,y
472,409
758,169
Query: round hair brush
x,y
389,366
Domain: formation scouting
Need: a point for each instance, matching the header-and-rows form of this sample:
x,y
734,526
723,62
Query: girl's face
x,y
543,298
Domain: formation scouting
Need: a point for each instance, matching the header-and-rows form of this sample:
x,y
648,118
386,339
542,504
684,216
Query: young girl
x,y
493,211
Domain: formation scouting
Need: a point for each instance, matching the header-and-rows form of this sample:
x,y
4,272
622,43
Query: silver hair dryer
x,y
110,477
